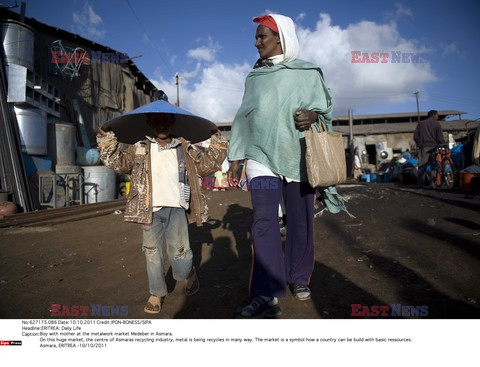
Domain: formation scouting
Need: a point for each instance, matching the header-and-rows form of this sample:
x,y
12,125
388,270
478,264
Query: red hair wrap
x,y
267,21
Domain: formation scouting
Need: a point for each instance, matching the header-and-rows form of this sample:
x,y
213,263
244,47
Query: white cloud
x,y
269,11
168,86
450,48
399,13
187,75
202,53
402,11
360,85
215,90
205,53
88,23
219,93
146,39
216,95
301,16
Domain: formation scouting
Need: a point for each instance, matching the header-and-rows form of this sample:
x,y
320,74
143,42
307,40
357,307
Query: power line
x,y
418,106
454,102
375,96
426,94
466,101
213,86
475,100
148,37
207,85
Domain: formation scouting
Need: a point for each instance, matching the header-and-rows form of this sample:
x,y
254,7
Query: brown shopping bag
x,y
325,157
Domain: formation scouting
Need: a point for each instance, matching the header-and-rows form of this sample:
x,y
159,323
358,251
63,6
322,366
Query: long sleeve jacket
x,y
136,160
428,134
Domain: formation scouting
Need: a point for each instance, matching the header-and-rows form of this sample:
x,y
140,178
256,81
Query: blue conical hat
x,y
132,126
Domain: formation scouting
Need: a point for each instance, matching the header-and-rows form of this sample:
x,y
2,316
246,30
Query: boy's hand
x,y
304,119
232,173
218,137
103,132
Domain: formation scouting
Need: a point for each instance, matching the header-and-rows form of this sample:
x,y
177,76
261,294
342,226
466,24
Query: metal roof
x,y
6,14
408,115
405,127
405,116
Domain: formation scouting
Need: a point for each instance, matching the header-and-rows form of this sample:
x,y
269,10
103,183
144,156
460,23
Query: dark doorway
x,y
372,153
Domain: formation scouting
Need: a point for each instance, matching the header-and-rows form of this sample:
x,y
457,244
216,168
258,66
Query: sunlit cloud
x,y
450,48
205,53
88,23
214,90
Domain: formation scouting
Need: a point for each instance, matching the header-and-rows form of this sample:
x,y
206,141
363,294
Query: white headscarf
x,y
288,37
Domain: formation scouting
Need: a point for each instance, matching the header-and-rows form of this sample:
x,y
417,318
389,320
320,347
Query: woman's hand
x,y
232,173
304,119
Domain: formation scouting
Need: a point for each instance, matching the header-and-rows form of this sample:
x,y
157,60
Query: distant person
x,y
476,147
427,136
283,97
164,196
357,164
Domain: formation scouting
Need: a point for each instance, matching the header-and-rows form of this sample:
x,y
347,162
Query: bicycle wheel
x,y
448,177
432,178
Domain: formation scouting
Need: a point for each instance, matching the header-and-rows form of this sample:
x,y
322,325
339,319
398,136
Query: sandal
x,y
192,284
154,304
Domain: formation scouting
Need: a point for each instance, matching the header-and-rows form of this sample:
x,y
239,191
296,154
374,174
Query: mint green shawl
x,y
264,129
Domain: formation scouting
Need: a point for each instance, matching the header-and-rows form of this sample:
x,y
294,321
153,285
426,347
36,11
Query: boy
x,y
164,191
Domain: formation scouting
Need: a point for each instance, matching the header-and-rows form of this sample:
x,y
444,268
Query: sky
x,y
210,44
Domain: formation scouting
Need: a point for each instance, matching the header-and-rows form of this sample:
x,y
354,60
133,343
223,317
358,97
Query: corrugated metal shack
x,y
390,133
56,81
393,133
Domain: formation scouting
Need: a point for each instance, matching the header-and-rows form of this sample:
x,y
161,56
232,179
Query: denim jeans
x,y
169,226
423,156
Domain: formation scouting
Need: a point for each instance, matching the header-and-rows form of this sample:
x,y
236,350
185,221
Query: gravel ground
x,y
405,246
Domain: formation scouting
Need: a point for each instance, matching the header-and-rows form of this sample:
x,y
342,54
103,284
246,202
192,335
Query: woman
x,y
283,97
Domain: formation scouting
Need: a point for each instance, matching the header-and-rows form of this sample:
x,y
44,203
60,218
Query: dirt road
x,y
405,247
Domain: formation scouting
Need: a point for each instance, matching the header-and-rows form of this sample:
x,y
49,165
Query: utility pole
x,y
418,108
350,125
22,11
178,90
350,148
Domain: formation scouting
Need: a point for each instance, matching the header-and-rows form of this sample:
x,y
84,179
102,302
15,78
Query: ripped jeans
x,y
169,226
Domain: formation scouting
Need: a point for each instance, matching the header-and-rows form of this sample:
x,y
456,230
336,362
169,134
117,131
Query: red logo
x,y
10,342
76,310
